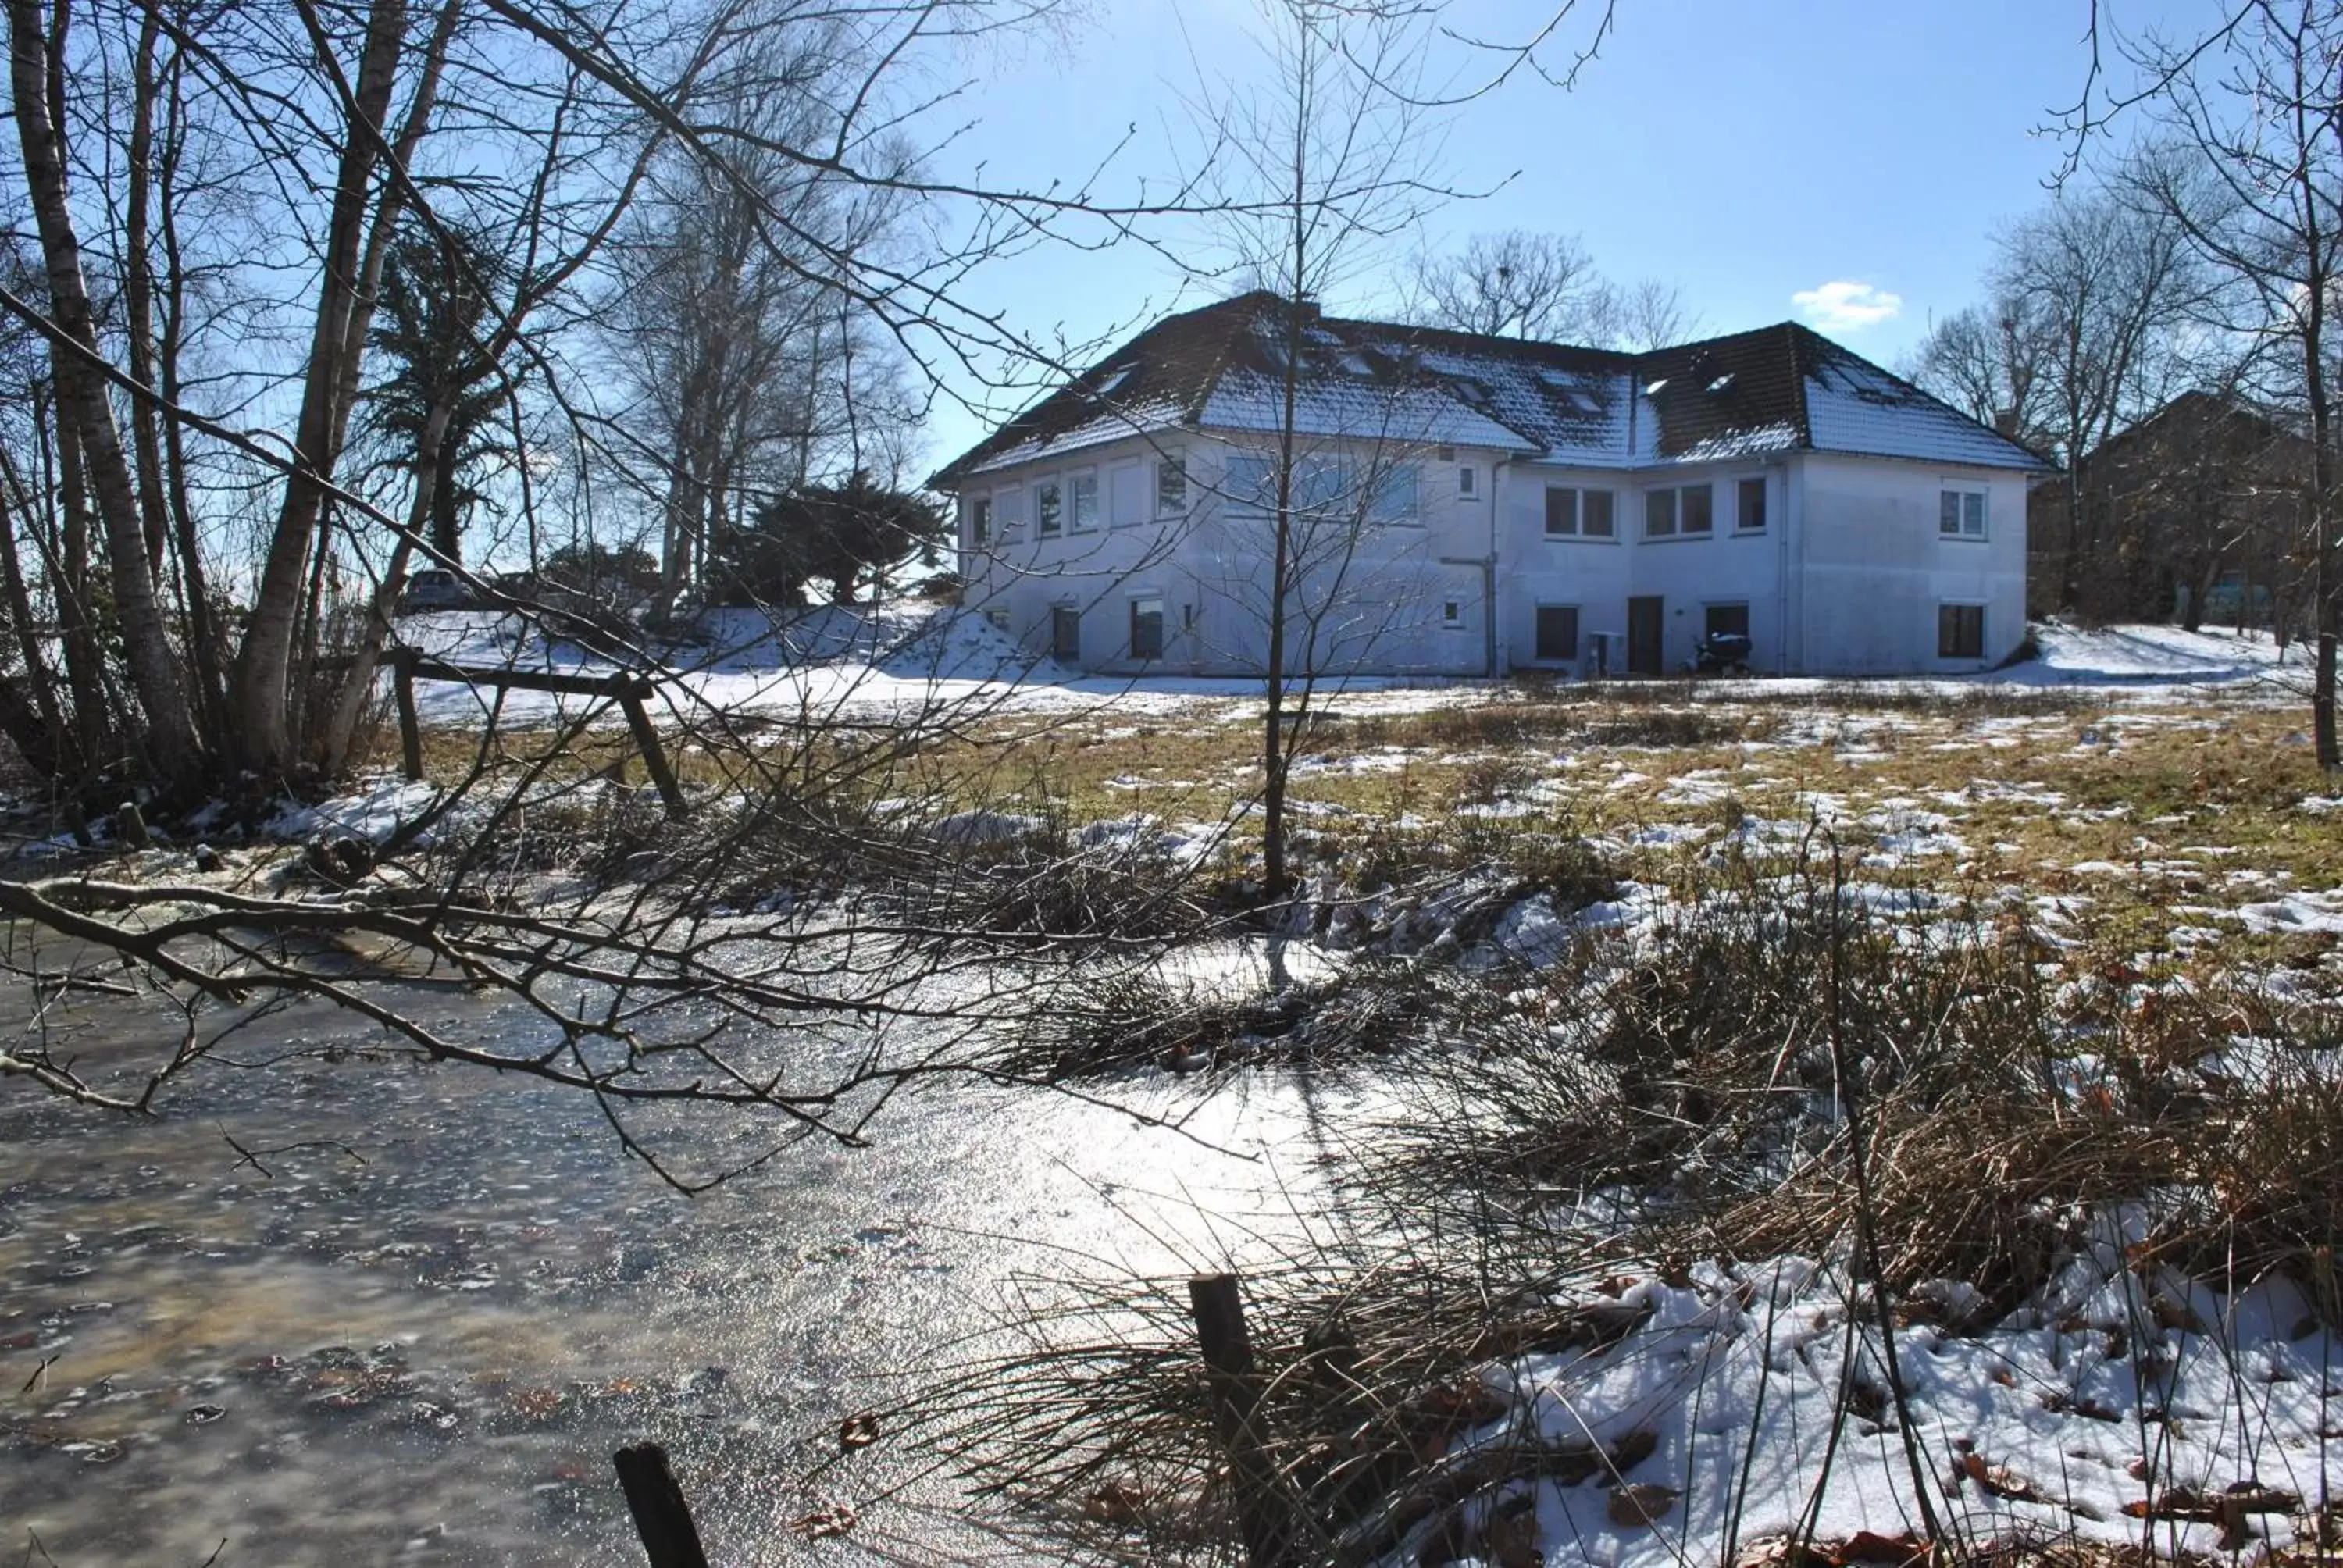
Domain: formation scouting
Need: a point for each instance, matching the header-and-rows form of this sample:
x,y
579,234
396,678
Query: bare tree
x,y
1987,361
1545,285
2256,100
1640,315
1511,285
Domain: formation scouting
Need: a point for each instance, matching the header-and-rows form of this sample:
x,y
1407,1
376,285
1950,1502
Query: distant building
x,y
2193,513
1477,505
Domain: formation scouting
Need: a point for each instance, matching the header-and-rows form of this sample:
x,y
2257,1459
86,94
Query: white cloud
x,y
1844,306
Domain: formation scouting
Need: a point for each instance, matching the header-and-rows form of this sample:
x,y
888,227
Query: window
x,y
1687,509
1726,621
1961,514
1048,507
1250,486
980,520
1581,512
1394,498
1127,494
1751,518
1595,519
1561,511
1146,629
1171,485
1697,510
1446,454
1557,632
1082,500
1066,635
1008,512
1659,514
1467,478
1451,615
1960,631
1321,487
999,618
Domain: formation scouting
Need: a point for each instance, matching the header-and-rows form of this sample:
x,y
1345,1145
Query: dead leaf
x,y
1115,1503
823,1523
1869,1546
1999,1480
1633,1507
858,1431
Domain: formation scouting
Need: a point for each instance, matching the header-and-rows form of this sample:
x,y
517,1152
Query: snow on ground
x,y
830,664
2155,653
901,662
374,813
2115,1396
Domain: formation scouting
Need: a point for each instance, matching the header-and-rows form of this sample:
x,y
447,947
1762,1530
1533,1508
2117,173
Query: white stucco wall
x,y
1847,578
1876,568
1375,599
1688,572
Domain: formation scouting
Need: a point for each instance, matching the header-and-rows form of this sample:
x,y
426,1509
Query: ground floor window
x,y
1452,614
999,618
1727,620
1146,629
1066,635
1960,631
1557,631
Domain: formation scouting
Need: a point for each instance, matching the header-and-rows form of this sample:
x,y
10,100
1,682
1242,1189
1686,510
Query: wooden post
x,y
1217,1305
647,740
662,1518
410,729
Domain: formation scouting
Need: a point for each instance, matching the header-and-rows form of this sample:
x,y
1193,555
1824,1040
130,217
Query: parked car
x,y
433,589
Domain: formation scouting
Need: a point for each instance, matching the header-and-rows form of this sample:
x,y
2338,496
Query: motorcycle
x,y
1720,653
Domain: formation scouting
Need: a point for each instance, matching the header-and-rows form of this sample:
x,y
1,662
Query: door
x,y
1066,635
1557,633
1644,623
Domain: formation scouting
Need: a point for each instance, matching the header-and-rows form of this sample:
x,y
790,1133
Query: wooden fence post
x,y
410,729
647,740
662,1518
1217,1305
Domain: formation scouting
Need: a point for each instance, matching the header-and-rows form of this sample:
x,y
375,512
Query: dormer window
x,y
1111,381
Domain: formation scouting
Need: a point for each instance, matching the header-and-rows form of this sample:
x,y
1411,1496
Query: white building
x,y
1470,505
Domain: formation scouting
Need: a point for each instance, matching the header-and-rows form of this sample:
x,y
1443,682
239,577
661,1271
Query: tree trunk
x,y
261,698
69,577
83,400
357,684
138,295
205,650
36,725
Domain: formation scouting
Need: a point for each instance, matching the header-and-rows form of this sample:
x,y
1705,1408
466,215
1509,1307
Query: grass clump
x,y
1795,1065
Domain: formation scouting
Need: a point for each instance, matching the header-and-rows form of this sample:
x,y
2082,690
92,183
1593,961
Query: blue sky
x,y
1845,161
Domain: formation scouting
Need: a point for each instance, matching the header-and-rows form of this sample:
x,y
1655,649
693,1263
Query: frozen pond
x,y
418,1336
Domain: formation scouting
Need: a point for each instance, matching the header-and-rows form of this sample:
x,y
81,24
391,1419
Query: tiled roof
x,y
1779,388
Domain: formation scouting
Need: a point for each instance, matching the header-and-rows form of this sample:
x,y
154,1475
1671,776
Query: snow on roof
x,y
1776,389
1853,405
1357,411
1109,424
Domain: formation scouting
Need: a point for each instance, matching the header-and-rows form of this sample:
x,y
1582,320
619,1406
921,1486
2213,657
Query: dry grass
x,y
1782,1073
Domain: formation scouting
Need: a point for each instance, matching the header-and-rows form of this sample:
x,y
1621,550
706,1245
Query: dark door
x,y
1066,635
1557,633
1644,626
